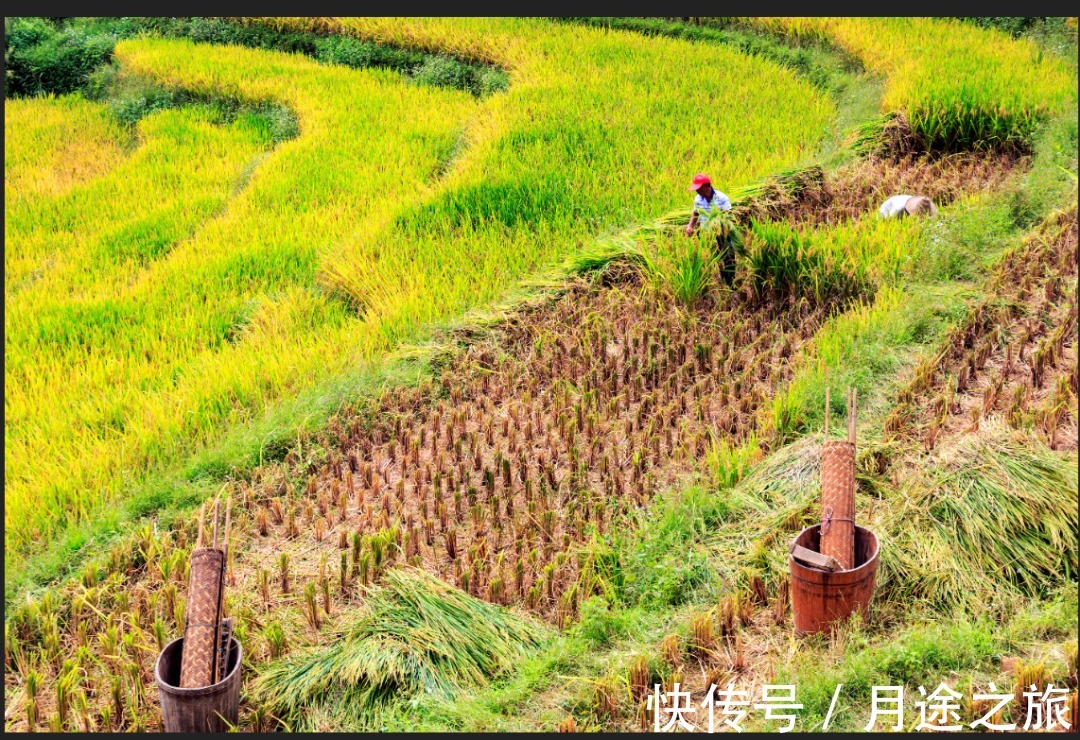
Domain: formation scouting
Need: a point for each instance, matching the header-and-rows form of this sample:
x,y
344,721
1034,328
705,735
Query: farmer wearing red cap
x,y
708,202
707,199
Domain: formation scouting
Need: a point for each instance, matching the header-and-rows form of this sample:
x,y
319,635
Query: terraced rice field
x,y
1014,357
156,316
588,482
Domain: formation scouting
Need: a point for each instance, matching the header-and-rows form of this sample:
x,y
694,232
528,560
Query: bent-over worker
x,y
707,199
900,206
707,203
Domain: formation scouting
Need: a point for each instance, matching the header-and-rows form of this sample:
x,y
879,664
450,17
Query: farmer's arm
x,y
693,222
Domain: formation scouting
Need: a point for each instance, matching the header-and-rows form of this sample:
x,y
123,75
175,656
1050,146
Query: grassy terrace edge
x,y
74,55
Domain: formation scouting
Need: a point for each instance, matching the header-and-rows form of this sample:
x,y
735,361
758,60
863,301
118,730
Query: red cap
x,y
700,180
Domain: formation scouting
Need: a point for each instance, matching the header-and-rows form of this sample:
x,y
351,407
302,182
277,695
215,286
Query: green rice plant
x,y
14,655
65,686
311,605
264,587
275,640
283,571
32,684
728,462
417,635
116,696
159,633
599,571
684,267
31,714
105,718
828,264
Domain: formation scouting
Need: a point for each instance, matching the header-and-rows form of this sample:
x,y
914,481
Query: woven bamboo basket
x,y
198,665
838,502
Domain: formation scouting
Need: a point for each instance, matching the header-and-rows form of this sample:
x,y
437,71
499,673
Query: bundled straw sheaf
x,y
993,513
418,635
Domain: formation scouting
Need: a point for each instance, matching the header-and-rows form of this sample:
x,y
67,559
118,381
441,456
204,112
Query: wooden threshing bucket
x,y
204,709
820,598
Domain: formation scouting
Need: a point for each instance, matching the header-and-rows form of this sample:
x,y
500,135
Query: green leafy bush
x,y
42,60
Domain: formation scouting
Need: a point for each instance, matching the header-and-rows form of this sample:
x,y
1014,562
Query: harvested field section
x,y
492,478
552,428
855,190
1015,356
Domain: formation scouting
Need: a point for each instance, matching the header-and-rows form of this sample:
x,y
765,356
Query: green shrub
x,y
1017,26
444,71
491,80
22,33
351,52
131,107
60,63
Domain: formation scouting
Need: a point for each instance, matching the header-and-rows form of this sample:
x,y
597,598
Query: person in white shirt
x,y
705,201
708,202
899,206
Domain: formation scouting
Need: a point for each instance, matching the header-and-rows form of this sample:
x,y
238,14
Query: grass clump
x,y
665,563
728,463
417,636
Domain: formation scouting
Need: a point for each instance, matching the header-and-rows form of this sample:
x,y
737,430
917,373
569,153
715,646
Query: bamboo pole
x,y
826,414
228,524
853,413
202,517
217,501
